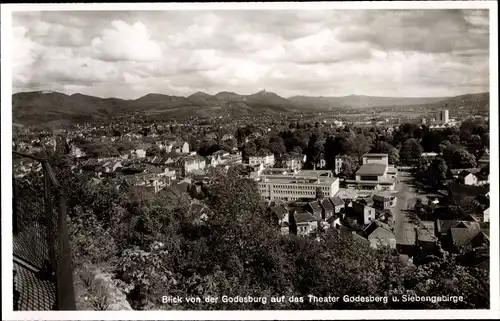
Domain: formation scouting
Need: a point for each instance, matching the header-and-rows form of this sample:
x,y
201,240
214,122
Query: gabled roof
x,y
480,238
456,171
463,236
464,174
326,204
315,206
467,189
336,201
381,234
280,211
303,217
154,170
381,198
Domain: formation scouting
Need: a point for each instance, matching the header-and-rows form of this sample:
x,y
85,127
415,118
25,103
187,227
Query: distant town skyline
x,y
390,53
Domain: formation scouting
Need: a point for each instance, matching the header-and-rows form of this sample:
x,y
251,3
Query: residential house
x,y
165,145
282,216
214,160
182,148
315,209
305,223
232,159
379,235
483,177
190,164
467,178
328,210
381,201
455,234
426,241
365,213
293,163
139,151
338,204
461,237
266,160
455,172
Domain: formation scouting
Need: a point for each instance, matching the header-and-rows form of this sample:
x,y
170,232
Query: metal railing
x,y
40,230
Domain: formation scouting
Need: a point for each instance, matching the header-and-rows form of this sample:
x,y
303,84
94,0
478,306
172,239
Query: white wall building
x,y
267,160
297,185
444,116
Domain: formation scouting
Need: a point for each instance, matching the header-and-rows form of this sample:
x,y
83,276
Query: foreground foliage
x,y
158,247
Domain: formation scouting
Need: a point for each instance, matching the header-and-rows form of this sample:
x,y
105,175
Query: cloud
x,y
123,41
309,52
433,31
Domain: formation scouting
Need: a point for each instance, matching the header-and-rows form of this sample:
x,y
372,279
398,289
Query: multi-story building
x,y
232,159
444,116
294,163
297,185
374,174
339,161
267,160
190,164
376,159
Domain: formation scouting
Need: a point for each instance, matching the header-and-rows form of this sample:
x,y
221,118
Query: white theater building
x,y
374,174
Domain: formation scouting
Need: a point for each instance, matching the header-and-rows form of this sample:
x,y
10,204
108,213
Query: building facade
x,y
267,160
444,116
294,186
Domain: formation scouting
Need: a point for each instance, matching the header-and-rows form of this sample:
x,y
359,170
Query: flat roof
x,y
351,181
409,235
298,180
375,155
372,169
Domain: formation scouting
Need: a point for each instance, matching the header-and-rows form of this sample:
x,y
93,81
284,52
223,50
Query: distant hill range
x,y
47,106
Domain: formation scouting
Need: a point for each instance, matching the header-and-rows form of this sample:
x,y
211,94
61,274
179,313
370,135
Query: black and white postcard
x,y
250,160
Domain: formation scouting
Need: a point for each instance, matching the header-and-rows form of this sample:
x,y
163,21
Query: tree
x,y
276,146
393,156
249,149
208,147
361,145
431,140
437,171
349,166
262,142
319,193
463,159
382,147
454,139
296,151
410,151
486,140
443,145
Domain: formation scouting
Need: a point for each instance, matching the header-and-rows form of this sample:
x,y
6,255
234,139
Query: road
x,y
403,229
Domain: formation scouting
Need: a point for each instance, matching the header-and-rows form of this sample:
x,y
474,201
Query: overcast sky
x,y
317,53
